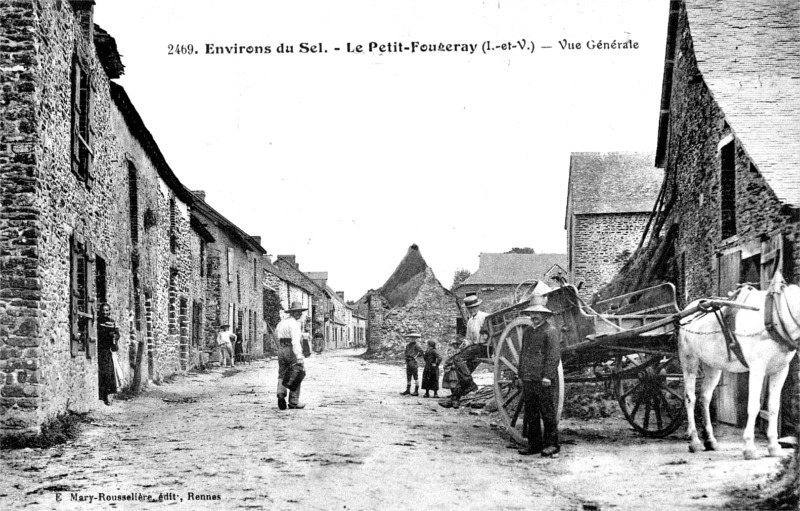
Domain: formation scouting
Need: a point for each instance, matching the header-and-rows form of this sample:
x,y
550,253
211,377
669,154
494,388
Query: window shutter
x,y
90,132
91,302
74,318
76,115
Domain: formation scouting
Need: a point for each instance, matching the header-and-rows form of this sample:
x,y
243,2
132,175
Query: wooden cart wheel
x,y
508,387
649,389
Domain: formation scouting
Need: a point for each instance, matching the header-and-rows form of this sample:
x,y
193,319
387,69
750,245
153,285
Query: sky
x,y
345,159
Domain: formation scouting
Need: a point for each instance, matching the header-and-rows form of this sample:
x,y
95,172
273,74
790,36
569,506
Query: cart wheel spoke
x,y
511,396
657,408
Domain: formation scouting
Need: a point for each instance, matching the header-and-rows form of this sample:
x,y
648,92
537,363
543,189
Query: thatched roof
x,y
404,284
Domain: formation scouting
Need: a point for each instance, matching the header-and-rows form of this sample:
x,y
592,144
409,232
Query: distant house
x,y
499,275
234,265
610,198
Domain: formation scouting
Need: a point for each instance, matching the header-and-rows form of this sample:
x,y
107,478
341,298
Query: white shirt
x,y
289,328
474,325
225,337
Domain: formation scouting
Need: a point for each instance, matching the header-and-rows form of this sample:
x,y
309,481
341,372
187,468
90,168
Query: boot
x,y
416,391
407,392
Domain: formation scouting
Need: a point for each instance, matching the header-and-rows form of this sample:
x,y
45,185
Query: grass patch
x,y
59,430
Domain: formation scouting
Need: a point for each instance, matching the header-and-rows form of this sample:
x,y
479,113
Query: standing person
x,y
430,375
107,342
412,367
225,340
290,355
538,369
466,360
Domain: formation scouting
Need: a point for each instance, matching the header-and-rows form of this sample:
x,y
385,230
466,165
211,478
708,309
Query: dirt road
x,y
357,445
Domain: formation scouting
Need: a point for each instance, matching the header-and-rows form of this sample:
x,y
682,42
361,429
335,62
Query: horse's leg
x,y
776,381
710,382
756,381
690,366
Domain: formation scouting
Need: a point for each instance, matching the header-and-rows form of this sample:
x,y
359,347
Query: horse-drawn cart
x,y
628,341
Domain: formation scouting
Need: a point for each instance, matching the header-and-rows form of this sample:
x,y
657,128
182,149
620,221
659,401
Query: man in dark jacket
x,y
538,370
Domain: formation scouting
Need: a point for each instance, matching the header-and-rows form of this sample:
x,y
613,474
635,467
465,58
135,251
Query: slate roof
x,y
616,182
749,55
499,269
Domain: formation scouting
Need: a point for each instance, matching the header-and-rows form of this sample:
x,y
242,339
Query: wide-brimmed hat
x,y
537,303
296,307
413,335
472,301
432,344
223,327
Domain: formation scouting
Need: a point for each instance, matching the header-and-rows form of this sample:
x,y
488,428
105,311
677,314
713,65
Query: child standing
x,y
412,367
430,375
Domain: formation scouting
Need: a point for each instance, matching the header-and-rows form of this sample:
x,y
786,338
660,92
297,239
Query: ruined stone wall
x,y
433,312
601,245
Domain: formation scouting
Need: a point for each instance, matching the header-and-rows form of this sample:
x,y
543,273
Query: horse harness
x,y
778,331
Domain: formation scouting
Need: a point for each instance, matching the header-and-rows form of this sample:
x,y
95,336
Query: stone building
x,y
359,328
90,212
610,198
729,141
234,270
498,276
305,291
411,299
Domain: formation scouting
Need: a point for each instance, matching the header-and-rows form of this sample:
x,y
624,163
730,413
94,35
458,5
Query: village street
x,y
357,445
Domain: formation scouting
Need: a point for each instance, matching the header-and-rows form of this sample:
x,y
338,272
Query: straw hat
x,y
472,301
413,335
296,307
537,304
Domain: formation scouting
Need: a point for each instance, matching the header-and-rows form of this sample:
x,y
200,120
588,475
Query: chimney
x,y
340,294
84,16
200,194
289,258
257,239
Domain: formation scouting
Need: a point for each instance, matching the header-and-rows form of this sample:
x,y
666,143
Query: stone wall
x,y
600,246
44,204
697,126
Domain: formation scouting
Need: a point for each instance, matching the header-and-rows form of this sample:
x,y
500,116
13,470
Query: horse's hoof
x,y
711,445
695,446
751,454
775,451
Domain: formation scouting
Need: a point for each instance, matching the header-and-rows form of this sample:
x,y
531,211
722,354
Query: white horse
x,y
701,342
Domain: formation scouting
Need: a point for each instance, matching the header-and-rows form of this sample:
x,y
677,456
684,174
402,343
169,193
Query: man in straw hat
x,y
290,354
466,360
225,340
538,369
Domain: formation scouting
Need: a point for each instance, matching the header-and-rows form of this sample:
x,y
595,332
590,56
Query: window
x,y
230,266
202,258
133,195
83,300
82,153
173,228
728,190
238,288
255,273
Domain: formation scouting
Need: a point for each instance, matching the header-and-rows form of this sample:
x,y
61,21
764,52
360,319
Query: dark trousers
x,y
286,360
539,409
412,370
465,362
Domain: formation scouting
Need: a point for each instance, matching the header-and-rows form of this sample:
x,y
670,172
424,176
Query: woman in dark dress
x,y
107,342
430,375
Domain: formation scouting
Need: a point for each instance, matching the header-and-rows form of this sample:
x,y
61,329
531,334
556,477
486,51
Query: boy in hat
x,y
538,369
465,361
412,367
290,354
